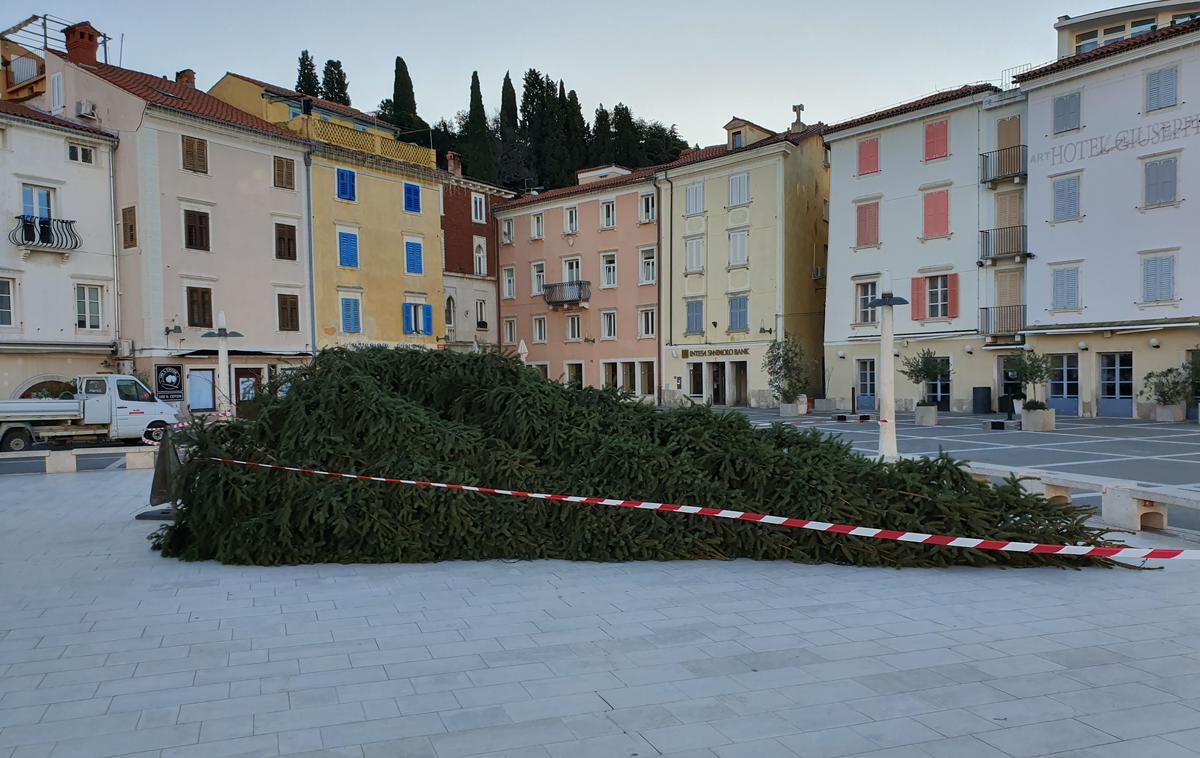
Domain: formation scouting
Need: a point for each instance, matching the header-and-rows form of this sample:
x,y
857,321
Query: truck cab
x,y
123,404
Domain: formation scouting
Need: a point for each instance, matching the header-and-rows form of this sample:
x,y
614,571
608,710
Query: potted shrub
x,y
921,369
1170,389
787,375
1033,371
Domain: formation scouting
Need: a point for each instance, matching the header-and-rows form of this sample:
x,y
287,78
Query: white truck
x,y
104,407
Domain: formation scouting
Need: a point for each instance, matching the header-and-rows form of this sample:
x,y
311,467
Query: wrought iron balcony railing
x,y
1003,242
1006,163
567,293
38,233
1002,320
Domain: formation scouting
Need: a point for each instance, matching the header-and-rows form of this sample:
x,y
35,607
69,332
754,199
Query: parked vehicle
x,y
104,407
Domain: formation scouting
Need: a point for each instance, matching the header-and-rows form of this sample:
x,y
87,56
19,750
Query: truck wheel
x,y
155,432
16,441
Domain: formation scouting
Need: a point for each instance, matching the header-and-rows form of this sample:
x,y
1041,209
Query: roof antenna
x,y
121,52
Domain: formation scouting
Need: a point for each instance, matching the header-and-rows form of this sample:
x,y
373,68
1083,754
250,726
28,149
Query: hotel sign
x,y
1159,133
715,352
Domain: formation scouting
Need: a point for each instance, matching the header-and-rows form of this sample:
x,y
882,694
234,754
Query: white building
x,y
1114,145
58,274
926,202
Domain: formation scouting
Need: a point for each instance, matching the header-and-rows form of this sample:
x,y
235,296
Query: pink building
x,y
579,273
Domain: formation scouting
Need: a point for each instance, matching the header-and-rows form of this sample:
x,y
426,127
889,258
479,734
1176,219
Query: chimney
x,y
454,163
186,77
798,125
82,43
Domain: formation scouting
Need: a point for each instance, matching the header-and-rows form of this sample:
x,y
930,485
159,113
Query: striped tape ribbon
x,y
795,523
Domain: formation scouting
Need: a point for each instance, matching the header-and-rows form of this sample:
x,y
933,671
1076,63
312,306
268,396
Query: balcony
x,y
1002,320
367,142
568,293
22,76
999,244
1000,165
37,234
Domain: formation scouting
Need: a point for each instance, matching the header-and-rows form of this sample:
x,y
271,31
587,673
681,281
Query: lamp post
x,y
886,376
222,334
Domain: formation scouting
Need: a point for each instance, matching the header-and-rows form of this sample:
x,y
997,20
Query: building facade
x,y
1114,291
376,225
743,248
58,268
469,259
1082,34
928,203
579,273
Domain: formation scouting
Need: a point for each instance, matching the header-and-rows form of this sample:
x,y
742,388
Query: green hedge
x,y
487,419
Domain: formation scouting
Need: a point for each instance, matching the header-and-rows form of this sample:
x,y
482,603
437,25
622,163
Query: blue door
x,y
1116,385
866,385
1064,384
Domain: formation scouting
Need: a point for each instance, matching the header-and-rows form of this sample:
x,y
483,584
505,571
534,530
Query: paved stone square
x,y
107,649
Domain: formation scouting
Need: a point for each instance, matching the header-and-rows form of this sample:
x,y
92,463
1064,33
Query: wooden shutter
x,y
285,242
918,298
195,230
195,154
285,173
1066,198
937,213
1008,287
289,312
868,224
1008,132
868,156
199,306
936,140
129,227
952,289
1008,209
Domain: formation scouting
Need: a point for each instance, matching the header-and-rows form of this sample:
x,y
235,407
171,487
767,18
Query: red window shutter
x,y
868,224
937,213
936,140
918,298
868,156
952,280
862,214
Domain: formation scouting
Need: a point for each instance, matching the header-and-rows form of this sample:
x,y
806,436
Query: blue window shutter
x,y
427,319
414,260
351,316
348,249
351,178
408,319
412,197
341,184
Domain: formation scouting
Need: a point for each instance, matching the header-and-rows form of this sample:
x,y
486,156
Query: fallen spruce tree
x,y
486,419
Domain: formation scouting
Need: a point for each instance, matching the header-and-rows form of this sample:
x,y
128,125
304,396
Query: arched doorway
x,y
48,387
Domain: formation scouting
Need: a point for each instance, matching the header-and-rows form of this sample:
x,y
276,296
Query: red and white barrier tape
x,y
796,523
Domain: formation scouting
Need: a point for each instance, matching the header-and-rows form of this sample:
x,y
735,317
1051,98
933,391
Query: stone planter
x,y
926,415
798,408
1170,414
1038,421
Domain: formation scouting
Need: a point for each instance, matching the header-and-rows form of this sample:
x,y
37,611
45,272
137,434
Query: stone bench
x,y
66,461
1135,508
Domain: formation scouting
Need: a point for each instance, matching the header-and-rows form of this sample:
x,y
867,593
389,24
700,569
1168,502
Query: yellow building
x,y
376,218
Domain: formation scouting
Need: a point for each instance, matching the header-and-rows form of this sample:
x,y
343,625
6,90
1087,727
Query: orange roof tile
x,y
1114,48
16,110
937,98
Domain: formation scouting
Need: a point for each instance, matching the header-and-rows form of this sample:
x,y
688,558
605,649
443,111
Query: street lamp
x,y
222,334
887,374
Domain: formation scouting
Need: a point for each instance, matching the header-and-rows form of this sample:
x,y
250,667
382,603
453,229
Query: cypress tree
x,y
554,169
334,86
627,149
306,76
533,117
477,137
404,104
577,133
601,151
508,104
511,161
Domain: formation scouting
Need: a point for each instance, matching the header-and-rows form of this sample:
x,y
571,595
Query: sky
x,y
693,64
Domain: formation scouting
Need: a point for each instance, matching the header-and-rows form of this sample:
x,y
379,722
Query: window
x,y
536,226
131,390
1065,295
412,197
574,328
1162,88
937,214
647,208
288,307
1183,18
695,255
608,214
418,318
1086,42
1144,26
1158,278
481,320
647,322
937,140
347,182
450,314
1066,112
1064,375
937,296
739,244
694,199
80,153
348,249
864,293
57,98
195,230
6,301
506,231
608,325
695,379
480,258
285,173
537,278
648,274
285,242
478,208
570,220
414,256
737,140
351,314
866,377
199,307
739,189
1160,181
739,316
129,227
539,328
867,219
868,156
574,373
508,278
195,154
695,317
509,334
608,270
1066,198
87,306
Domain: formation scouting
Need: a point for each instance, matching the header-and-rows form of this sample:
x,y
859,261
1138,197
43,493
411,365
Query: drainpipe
x,y
312,287
112,201
670,272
